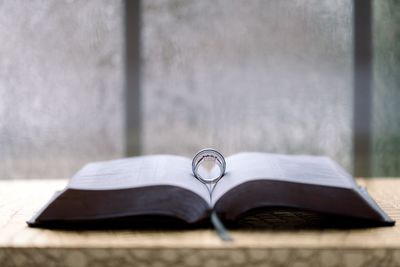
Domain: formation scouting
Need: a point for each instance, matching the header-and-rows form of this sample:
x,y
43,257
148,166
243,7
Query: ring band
x,y
206,154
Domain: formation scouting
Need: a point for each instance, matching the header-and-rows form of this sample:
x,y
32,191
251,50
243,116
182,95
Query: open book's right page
x,y
314,170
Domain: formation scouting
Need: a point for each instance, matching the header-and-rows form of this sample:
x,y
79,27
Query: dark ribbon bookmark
x,y
220,228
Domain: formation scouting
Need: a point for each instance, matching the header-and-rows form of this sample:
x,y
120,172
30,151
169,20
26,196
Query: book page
x,y
139,172
314,170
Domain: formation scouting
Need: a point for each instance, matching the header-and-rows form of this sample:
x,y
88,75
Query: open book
x,y
258,189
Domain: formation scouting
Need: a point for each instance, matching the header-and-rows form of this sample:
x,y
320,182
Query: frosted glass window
x,y
386,89
252,75
61,86
273,76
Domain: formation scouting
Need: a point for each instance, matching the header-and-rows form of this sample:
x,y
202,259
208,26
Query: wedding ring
x,y
216,171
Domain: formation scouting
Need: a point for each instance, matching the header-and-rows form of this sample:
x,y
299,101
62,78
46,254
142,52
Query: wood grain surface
x,y
20,245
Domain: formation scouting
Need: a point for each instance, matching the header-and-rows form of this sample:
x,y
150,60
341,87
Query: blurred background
x,y
84,81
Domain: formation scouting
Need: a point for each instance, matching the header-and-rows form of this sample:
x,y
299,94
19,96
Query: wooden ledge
x,y
19,200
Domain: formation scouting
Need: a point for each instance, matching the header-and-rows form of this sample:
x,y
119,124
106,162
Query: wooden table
x,y
23,246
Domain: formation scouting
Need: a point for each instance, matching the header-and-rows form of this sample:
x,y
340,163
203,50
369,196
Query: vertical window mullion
x,y
362,34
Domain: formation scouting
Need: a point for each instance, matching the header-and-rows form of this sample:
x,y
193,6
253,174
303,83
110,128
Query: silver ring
x,y
208,154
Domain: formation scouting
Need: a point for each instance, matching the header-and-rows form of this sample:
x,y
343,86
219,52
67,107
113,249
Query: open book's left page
x,y
130,190
138,172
